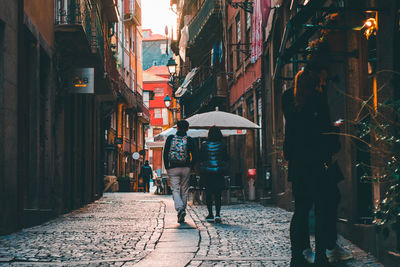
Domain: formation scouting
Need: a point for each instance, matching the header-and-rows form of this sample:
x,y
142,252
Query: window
x,y
146,98
230,49
165,116
163,48
132,6
159,91
238,28
157,113
248,33
238,39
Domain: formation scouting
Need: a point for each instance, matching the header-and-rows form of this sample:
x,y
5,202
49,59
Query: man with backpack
x,y
180,155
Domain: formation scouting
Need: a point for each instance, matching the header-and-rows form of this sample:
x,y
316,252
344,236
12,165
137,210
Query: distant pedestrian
x,y
213,166
308,150
180,155
146,173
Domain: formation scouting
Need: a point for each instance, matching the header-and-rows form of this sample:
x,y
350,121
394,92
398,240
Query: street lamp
x,y
171,64
167,101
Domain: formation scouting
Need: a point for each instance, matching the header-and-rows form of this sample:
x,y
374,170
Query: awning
x,y
183,88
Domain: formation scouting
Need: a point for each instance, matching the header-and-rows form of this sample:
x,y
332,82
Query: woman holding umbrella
x,y
213,166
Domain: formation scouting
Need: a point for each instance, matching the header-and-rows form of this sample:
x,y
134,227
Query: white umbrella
x,y
196,133
223,120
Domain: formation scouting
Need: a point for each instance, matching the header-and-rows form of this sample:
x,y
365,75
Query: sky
x,y
156,14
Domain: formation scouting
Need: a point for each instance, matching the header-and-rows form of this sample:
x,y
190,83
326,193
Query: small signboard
x,y
82,81
118,140
136,156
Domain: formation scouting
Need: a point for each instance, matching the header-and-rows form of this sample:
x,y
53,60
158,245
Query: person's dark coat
x,y
146,172
192,150
307,145
213,157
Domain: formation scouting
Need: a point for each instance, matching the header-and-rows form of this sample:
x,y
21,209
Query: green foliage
x,y
384,144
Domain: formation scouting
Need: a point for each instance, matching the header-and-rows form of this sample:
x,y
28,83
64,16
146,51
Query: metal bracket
x,y
246,5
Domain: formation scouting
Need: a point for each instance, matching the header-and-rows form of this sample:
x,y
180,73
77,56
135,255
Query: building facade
x,y
60,83
129,116
362,61
156,50
156,88
359,58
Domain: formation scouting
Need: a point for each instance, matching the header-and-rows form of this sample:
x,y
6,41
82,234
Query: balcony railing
x,y
127,94
205,85
74,12
110,65
208,9
98,36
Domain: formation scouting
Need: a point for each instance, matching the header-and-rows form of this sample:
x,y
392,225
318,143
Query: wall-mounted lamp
x,y
171,64
167,101
370,27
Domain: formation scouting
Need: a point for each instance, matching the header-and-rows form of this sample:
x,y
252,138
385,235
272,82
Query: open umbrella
x,y
196,133
159,139
221,119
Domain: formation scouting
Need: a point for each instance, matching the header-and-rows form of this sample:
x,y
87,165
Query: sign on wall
x,y
82,81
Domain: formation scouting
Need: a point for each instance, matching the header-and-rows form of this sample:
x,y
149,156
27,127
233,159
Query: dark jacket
x,y
213,157
306,144
192,150
146,172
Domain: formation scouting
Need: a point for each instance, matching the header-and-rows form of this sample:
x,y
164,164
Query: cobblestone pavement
x,y
122,229
253,235
113,230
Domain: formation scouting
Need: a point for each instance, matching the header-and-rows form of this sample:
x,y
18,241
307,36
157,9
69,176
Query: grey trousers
x,y
180,186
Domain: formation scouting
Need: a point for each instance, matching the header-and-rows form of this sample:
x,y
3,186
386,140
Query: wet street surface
x,y
137,229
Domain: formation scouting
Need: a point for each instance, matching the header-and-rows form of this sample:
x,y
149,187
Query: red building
x,y
156,88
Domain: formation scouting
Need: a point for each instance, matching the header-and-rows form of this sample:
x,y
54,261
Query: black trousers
x,y
326,207
214,186
299,237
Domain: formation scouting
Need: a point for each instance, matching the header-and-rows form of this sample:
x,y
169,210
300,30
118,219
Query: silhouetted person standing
x,y
306,147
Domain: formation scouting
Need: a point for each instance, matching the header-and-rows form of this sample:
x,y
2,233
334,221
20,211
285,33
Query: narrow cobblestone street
x,y
141,229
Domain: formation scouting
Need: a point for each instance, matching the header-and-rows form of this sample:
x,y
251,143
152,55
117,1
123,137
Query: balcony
x,y
204,22
127,94
78,28
208,90
73,20
133,12
111,9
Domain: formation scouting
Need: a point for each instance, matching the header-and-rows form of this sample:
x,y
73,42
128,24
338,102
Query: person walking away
x,y
146,173
334,252
213,166
180,155
307,151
